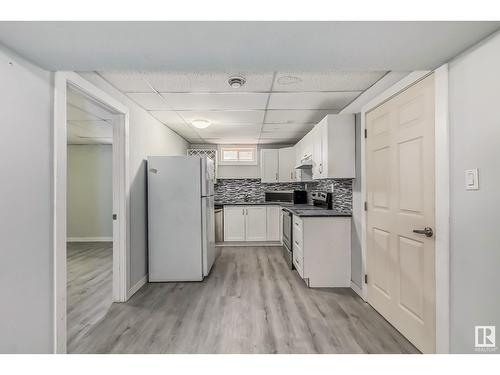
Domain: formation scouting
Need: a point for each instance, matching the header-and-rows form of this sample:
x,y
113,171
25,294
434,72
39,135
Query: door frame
x,y
121,201
442,189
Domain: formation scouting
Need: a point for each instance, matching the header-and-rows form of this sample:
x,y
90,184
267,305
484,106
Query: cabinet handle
x,y
291,175
276,177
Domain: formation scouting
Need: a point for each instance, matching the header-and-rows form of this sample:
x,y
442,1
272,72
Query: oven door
x,y
287,237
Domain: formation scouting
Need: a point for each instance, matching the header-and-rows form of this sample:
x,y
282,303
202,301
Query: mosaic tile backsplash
x,y
236,190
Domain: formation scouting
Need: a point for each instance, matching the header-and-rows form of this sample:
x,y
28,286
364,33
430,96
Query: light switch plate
x,y
472,179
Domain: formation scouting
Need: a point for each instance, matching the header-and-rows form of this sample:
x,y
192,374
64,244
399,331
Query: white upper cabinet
x,y
269,165
286,164
333,147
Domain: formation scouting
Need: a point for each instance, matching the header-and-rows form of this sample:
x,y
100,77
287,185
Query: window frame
x,y
238,148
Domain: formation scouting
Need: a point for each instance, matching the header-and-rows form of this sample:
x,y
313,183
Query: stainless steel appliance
x,y
287,196
287,237
322,199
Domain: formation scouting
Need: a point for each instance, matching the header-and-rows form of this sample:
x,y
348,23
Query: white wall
x,y
147,137
90,192
26,312
474,102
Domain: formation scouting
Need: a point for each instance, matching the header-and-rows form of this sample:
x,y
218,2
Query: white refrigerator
x,y
181,232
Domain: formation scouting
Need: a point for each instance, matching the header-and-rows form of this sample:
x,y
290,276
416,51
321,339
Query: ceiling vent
x,y
236,82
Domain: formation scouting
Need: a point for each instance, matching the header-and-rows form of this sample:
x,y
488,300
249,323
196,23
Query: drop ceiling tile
x,y
273,141
207,81
127,81
325,81
217,101
311,100
232,141
167,117
150,101
235,132
225,117
183,129
282,134
296,116
287,127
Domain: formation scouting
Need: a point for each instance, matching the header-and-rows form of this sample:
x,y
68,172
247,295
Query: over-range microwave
x,y
287,196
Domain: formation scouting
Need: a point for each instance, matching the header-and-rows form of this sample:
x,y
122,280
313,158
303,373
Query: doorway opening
x,y
91,207
89,248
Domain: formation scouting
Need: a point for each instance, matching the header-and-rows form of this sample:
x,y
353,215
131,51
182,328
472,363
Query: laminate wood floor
x,y
250,303
89,287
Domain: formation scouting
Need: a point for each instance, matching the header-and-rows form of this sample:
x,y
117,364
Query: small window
x,y
238,155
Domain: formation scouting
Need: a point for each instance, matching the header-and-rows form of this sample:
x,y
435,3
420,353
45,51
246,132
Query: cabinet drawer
x,y
298,262
297,222
297,237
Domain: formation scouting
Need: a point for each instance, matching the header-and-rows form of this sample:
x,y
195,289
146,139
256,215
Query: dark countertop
x,y
252,203
301,210
316,212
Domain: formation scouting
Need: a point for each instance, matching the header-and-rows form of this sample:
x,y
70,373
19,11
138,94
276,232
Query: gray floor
x,y
89,287
250,303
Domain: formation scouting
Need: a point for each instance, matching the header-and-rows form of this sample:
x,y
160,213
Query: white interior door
x,y
400,197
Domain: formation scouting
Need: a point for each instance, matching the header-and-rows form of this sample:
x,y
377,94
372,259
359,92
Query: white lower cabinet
x,y
234,223
273,223
252,223
255,223
322,250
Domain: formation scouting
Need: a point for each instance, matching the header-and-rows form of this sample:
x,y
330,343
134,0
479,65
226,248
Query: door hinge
x,y
115,216
366,133
366,278
366,206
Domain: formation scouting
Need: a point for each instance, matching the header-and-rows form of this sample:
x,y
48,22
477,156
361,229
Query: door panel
x,y
273,223
400,198
256,223
234,223
269,165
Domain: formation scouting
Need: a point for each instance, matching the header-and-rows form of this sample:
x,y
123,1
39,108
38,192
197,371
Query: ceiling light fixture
x,y
289,80
236,82
201,124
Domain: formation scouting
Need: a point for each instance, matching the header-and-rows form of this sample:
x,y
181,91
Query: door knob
x,y
427,231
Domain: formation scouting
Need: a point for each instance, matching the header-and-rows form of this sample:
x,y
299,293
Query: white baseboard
x,y
138,285
89,239
357,290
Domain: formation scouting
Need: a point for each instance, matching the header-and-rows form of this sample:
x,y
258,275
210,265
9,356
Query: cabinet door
x,y
286,162
273,223
317,152
298,156
269,165
256,218
234,223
